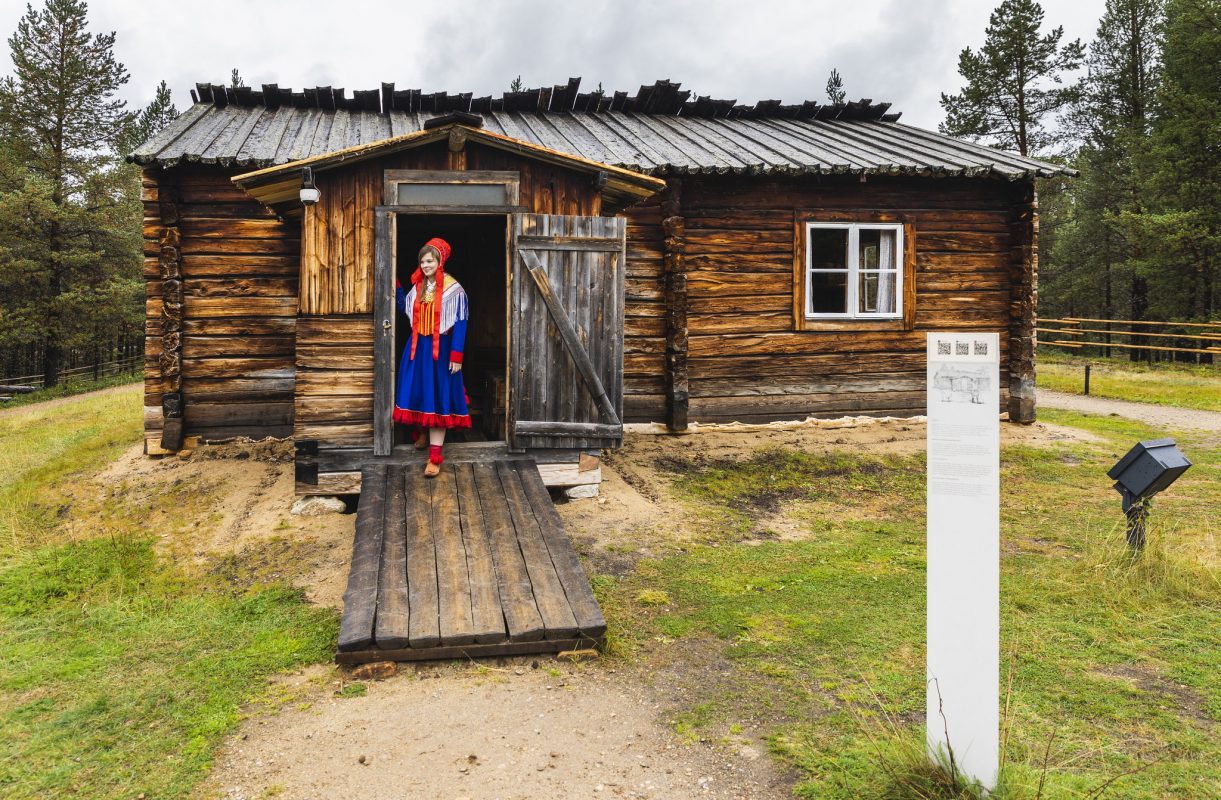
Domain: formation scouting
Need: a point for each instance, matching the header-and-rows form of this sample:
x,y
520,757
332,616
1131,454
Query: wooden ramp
x,y
472,563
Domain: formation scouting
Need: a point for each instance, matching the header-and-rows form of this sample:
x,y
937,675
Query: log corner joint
x,y
673,229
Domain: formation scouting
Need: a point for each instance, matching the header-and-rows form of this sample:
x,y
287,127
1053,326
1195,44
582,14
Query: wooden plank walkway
x,y
472,563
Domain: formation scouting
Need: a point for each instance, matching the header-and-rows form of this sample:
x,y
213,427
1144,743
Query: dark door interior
x,y
479,262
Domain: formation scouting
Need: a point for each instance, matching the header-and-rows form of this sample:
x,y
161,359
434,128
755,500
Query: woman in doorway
x,y
431,398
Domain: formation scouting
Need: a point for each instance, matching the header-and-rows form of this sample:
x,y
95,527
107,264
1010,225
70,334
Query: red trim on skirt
x,y
426,420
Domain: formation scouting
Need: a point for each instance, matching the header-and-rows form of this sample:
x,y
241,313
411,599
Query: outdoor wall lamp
x,y
309,192
1147,468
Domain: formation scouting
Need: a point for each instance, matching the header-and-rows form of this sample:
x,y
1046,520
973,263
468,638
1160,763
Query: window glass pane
x,y
828,248
828,292
876,292
452,194
878,249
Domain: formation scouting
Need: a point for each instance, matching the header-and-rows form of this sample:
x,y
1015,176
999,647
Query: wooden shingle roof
x,y
660,130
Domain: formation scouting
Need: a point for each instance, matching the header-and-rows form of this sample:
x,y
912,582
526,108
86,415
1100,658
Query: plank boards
x,y
360,599
566,323
393,623
522,618
474,562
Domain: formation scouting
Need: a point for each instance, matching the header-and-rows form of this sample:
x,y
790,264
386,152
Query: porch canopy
x,y
278,187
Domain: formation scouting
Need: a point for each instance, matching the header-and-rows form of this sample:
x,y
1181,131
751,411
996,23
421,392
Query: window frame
x,y
903,319
510,179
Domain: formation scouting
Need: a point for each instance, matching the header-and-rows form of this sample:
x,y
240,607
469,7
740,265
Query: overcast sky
x,y
901,51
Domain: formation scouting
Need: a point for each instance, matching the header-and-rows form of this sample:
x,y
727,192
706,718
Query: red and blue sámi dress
x,y
428,394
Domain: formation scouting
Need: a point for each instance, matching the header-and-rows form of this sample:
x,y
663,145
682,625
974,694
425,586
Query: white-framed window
x,y
853,270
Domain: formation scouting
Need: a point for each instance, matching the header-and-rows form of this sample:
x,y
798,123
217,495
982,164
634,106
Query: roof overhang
x,y
278,187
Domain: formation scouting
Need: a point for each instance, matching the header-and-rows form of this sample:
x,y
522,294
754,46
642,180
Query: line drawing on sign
x,y
961,384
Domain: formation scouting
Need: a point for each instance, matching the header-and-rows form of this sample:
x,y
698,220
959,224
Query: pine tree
x,y
64,229
155,116
1178,226
1094,264
235,79
1014,82
835,88
516,85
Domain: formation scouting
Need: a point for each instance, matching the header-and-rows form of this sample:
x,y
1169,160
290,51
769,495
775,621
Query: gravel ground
x,y
1164,416
482,732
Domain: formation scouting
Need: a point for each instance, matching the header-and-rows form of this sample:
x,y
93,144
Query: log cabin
x,y
630,258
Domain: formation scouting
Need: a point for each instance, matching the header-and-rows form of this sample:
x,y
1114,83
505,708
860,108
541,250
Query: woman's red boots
x,y
433,468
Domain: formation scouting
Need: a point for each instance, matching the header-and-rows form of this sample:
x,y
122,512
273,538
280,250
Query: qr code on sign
x,y
962,349
943,348
981,348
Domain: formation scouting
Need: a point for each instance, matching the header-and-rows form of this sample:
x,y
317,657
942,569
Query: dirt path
x,y
1164,416
58,401
508,730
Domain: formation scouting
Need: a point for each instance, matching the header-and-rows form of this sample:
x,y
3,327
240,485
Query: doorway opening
x,y
479,261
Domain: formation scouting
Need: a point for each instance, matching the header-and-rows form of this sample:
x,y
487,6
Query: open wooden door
x,y
566,331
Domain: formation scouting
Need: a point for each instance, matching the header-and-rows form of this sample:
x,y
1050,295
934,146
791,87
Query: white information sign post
x,y
964,552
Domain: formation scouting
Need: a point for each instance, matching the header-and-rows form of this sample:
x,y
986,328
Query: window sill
x,y
816,325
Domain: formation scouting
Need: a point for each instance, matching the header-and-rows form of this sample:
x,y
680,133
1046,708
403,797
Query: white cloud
x,y
901,51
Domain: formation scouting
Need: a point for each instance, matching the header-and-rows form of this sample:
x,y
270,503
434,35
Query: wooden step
x,y
472,563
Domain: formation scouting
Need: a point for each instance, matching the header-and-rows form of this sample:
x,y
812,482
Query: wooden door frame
x,y
385,318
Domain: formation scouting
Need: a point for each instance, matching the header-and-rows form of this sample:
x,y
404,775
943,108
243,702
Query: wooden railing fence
x,y
131,364
1142,340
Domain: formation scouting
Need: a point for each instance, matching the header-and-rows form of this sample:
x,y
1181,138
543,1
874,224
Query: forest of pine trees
x,y
70,242
1137,235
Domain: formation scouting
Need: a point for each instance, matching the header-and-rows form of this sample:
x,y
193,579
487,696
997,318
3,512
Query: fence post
x,y
1087,377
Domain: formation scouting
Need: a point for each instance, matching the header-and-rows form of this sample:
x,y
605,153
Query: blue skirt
x,y
428,395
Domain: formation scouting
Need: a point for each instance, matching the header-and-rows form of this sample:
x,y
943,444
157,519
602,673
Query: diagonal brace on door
x,y
569,334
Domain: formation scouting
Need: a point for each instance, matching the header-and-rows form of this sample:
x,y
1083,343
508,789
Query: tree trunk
x,y
52,352
1140,302
1108,308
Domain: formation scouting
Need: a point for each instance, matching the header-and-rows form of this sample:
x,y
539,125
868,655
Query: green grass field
x,y
1114,660
1181,385
72,388
119,673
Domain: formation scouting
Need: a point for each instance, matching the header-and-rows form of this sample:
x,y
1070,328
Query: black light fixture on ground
x,y
1145,470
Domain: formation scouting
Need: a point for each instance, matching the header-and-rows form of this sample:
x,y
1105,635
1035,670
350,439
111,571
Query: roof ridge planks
x,y
662,98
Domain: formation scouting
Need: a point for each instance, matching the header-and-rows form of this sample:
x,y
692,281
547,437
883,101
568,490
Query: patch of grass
x,y
1114,656
733,495
652,597
353,690
118,678
76,387
119,671
1169,384
42,446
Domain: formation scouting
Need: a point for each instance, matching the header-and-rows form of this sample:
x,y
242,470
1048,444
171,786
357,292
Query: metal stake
x,y
1137,512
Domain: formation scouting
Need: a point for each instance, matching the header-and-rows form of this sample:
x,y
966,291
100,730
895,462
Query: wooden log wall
x,y
1024,288
644,321
239,268
674,247
163,369
544,188
746,362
